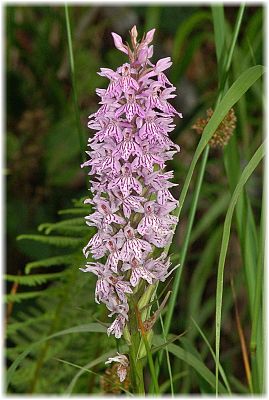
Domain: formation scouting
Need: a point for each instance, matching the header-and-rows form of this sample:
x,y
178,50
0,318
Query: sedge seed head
x,y
224,131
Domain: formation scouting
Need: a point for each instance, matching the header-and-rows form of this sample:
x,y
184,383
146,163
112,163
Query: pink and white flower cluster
x,y
131,198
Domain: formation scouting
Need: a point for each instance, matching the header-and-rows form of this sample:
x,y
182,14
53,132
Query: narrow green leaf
x,y
236,91
219,33
255,160
74,86
185,29
167,355
151,365
192,361
228,59
222,372
257,331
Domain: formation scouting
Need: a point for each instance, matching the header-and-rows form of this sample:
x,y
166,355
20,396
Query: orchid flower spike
x,y
131,199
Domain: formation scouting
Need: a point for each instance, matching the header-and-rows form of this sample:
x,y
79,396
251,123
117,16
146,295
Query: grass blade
x,y
167,355
225,380
219,33
259,154
192,361
228,56
245,220
236,91
242,84
185,29
256,341
74,86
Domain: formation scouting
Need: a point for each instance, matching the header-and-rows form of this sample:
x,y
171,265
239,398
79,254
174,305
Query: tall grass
x,y
81,137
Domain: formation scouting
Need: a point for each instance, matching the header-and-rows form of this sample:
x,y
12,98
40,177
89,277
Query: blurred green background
x,y
43,152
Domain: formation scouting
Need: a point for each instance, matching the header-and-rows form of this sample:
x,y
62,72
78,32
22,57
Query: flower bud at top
x,y
149,36
118,43
134,36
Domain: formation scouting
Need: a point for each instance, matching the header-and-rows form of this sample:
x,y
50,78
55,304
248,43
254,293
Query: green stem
x,y
136,368
167,355
74,86
136,365
151,365
231,50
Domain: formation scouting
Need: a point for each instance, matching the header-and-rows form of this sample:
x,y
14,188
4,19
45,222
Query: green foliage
x,y
256,159
67,296
58,241
184,30
33,280
50,262
18,297
194,361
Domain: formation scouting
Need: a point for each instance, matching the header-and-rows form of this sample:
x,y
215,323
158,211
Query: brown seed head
x,y
224,131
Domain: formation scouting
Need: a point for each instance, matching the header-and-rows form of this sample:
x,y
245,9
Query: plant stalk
x,y
136,365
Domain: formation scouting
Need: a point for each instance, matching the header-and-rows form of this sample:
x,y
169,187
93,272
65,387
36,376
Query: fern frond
x,y
48,227
53,308
74,211
18,297
51,262
58,241
81,230
15,326
33,280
